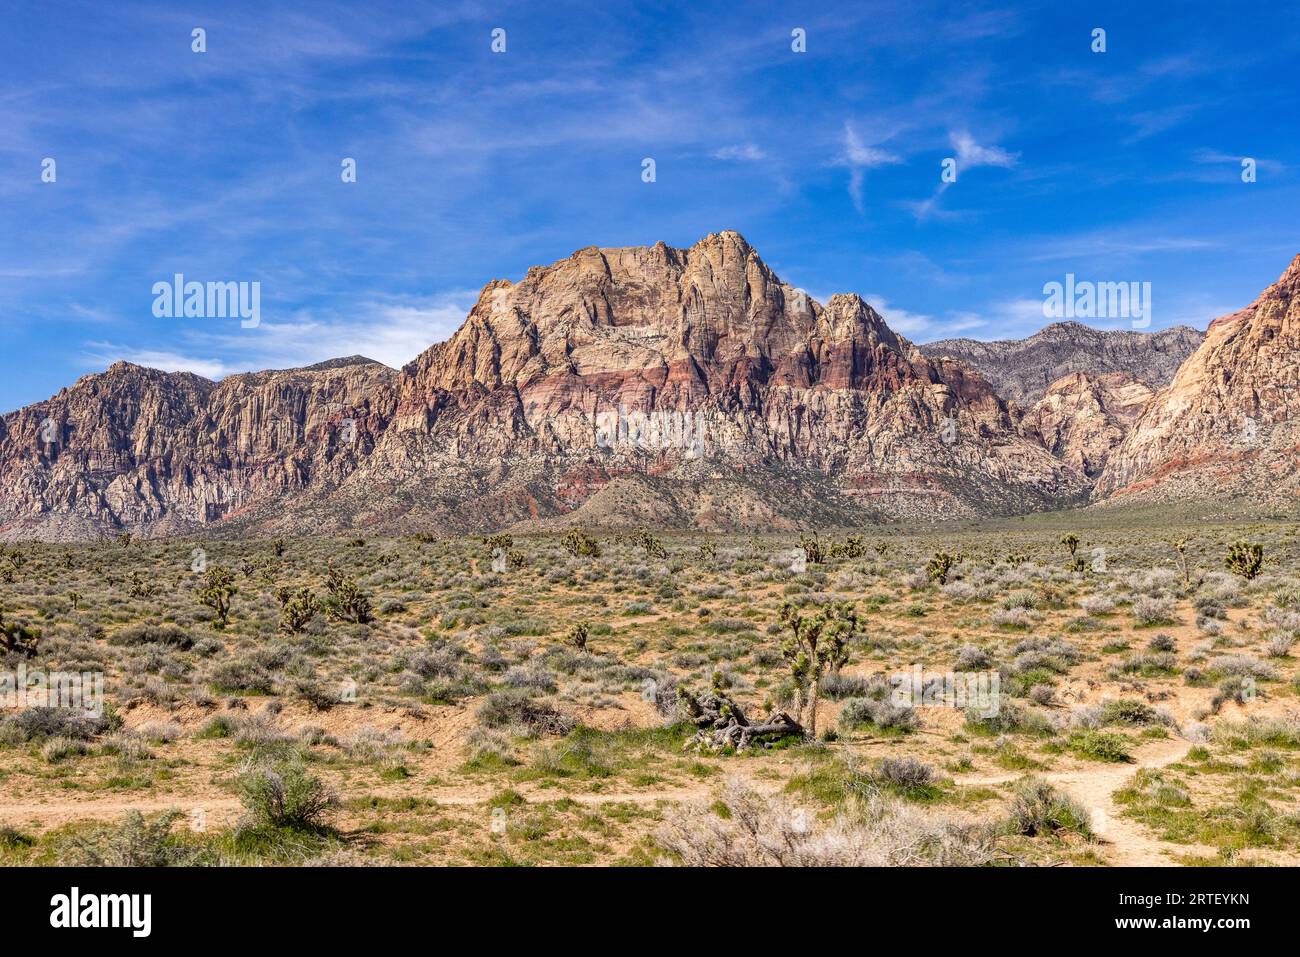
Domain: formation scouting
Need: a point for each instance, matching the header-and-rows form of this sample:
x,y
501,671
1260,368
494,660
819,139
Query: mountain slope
x,y
1083,417
1021,370
158,452
688,386
1227,423
808,412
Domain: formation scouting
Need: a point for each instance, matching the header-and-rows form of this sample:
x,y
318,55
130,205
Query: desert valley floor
x,y
529,700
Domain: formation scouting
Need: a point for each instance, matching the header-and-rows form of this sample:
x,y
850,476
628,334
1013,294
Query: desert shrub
x,y
517,707
153,634
1279,646
60,749
1007,719
1127,711
285,797
314,693
1161,643
1037,808
1044,695
1243,665
1238,688
1151,664
746,829
134,842
12,838
1013,617
1022,598
240,674
1277,732
530,677
1099,745
881,715
159,732
838,686
1097,604
906,776
1152,610
40,724
971,658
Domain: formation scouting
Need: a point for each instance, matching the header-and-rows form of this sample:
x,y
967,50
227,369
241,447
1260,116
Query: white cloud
x,y
103,354
970,154
859,156
900,320
391,331
746,152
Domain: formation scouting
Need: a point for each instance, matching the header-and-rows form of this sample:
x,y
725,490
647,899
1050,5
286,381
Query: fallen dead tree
x,y
723,724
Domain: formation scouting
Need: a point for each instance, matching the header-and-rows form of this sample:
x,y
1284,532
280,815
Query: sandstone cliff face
x,y
1227,423
797,402
1083,417
689,386
158,452
1022,369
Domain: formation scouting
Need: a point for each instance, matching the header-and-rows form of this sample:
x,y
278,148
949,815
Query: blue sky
x,y
1119,166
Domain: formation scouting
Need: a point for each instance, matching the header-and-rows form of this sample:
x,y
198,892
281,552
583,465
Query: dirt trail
x,y
1126,843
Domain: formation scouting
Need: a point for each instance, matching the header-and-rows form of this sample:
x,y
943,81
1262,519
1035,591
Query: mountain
x,y
1082,417
686,387
1227,424
1022,370
157,453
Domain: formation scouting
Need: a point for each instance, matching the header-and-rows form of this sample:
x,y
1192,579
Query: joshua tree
x,y
297,609
503,541
881,548
140,588
578,636
1180,546
75,598
851,547
812,547
939,566
1071,542
578,543
277,547
345,601
18,637
707,550
1245,558
814,644
218,588
647,540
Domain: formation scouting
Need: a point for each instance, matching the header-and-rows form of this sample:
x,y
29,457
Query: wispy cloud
x,y
920,326
392,331
747,152
860,156
971,154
